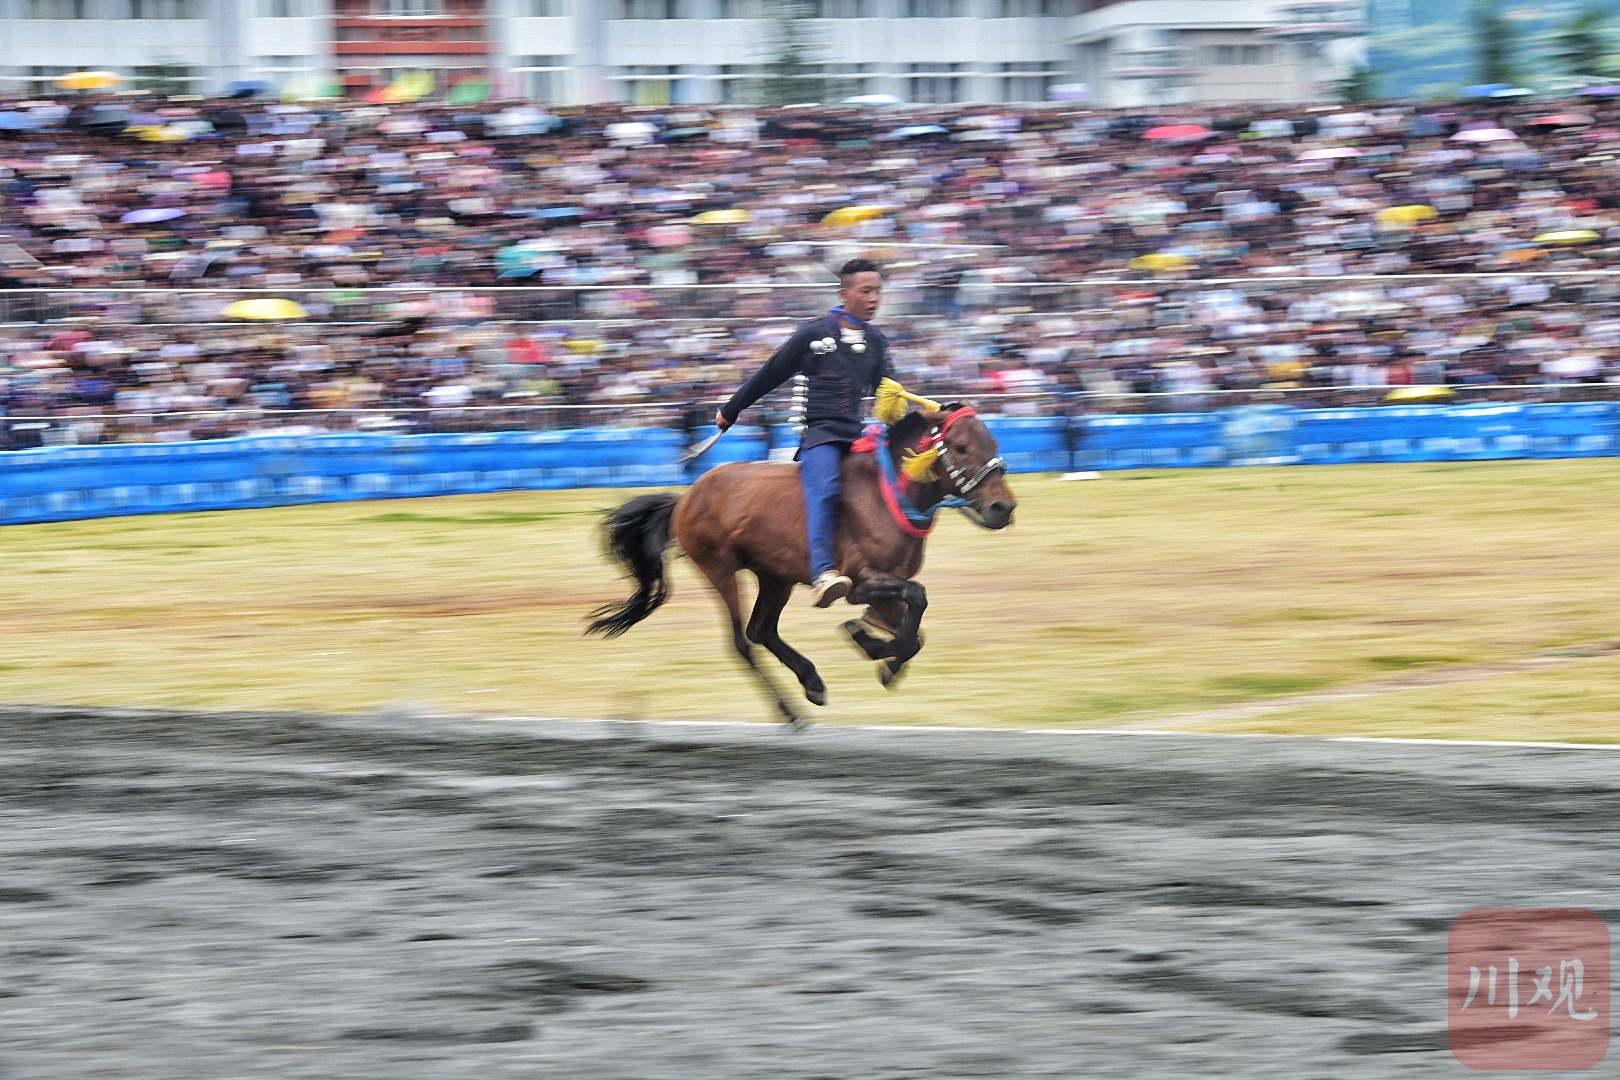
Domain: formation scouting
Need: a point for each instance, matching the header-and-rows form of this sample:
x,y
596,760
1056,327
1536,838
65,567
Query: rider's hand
x,y
720,420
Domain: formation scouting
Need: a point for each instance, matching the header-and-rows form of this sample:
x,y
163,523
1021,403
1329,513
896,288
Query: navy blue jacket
x,y
838,380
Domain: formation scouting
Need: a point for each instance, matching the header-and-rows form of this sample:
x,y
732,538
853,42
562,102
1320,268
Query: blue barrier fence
x,y
64,483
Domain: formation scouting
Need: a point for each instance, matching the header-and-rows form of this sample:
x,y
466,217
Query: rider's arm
x,y
781,367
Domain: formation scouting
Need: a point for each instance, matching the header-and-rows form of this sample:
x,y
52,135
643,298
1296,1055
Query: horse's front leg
x,y
888,593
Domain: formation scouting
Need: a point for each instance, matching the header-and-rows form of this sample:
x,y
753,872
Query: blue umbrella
x,y
916,130
16,121
559,212
151,214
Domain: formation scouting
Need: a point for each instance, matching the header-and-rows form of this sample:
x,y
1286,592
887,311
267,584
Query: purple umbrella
x,y
152,214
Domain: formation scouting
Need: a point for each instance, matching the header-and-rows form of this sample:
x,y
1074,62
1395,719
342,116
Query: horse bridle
x,y
959,477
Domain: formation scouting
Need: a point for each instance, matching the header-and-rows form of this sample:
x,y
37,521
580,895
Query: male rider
x,y
843,356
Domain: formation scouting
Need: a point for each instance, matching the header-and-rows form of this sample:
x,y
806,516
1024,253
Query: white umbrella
x,y
1330,153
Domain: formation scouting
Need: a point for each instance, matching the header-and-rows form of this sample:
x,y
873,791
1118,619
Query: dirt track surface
x,y
279,896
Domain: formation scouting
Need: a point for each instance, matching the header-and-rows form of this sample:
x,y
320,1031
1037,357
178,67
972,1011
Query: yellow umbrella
x,y
853,215
1420,393
583,346
266,309
1160,260
1568,236
410,86
723,217
89,80
1406,215
156,133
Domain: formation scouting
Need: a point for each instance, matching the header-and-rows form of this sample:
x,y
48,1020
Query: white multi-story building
x,y
1126,52
201,45
1159,52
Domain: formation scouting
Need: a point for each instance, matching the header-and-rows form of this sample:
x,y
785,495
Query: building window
x,y
543,78
56,9
165,78
161,9
406,9
936,84
644,84
1026,9
1027,81
843,9
545,9
650,9
936,9
742,9
281,9
1244,55
277,64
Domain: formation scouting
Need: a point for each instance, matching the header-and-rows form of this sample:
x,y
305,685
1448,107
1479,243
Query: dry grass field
x,y
1468,600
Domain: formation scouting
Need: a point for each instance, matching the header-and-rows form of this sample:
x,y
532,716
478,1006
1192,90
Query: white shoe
x,y
829,588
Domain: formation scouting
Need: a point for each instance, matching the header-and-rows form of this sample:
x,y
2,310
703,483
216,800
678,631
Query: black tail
x,y
637,534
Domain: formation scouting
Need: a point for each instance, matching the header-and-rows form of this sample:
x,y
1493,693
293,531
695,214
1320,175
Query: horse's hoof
x,y
889,674
795,725
816,696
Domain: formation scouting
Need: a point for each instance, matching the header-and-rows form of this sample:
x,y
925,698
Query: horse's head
x,y
969,464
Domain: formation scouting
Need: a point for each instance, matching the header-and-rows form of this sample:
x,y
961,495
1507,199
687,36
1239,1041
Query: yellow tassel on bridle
x,y
891,401
920,467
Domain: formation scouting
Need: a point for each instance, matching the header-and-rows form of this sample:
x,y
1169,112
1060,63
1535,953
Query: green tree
x,y
1358,86
1493,41
1581,44
790,76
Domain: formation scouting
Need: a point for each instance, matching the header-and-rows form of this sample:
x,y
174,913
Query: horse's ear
x,y
940,415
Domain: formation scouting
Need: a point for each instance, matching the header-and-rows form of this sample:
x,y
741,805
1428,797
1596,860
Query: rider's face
x,y
861,294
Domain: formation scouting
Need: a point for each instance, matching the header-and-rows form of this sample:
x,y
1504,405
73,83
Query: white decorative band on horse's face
x,y
958,476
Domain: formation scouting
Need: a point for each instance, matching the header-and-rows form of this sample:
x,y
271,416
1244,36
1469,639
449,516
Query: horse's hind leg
x,y
763,630
724,580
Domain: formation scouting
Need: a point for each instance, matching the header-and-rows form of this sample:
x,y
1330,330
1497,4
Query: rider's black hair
x,y
857,266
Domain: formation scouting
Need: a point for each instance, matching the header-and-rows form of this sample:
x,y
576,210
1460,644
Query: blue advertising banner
x,y
64,483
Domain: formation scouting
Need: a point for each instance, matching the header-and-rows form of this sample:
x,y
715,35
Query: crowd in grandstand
x,y
1004,232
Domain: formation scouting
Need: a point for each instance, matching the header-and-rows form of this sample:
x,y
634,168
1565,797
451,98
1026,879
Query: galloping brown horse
x,y
750,516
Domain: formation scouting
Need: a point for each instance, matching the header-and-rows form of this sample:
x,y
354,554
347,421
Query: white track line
x,y
764,728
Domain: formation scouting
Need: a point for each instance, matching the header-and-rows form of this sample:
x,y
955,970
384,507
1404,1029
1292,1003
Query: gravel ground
x,y
258,895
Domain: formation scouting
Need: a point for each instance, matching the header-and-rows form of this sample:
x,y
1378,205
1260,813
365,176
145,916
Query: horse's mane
x,y
905,430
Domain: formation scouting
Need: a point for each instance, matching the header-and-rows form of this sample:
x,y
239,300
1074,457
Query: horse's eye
x,y
960,448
